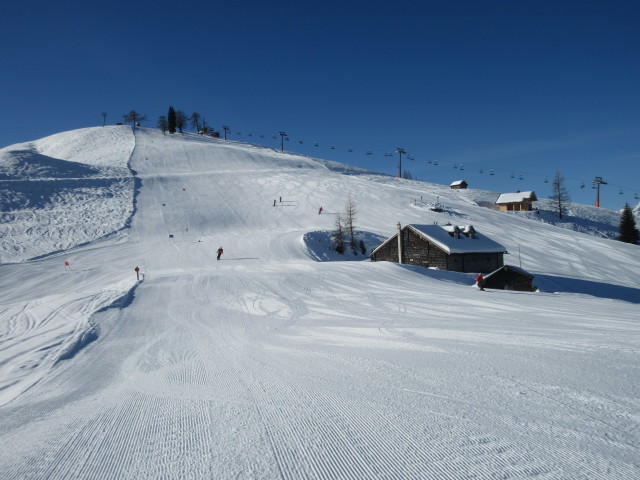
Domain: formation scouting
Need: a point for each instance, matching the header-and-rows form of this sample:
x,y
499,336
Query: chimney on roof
x,y
471,231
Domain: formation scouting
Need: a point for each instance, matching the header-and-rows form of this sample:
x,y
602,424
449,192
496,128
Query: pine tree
x,y
171,120
205,127
338,235
181,120
195,121
163,125
350,219
628,231
559,193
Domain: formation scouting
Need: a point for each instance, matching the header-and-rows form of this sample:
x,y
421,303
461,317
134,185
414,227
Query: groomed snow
x,y
284,360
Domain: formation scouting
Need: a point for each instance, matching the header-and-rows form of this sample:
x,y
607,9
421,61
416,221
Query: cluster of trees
x,y
344,233
177,120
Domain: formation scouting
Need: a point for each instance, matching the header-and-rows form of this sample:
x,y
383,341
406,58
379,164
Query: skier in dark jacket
x,y
219,253
480,281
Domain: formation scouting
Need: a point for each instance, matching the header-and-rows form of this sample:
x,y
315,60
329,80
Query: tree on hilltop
x,y
163,124
181,121
171,120
135,118
205,127
194,120
628,231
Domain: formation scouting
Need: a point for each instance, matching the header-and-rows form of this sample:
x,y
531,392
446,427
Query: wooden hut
x,y
519,201
459,184
509,277
447,247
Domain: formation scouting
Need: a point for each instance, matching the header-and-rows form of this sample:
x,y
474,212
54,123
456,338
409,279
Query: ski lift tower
x,y
400,151
226,129
282,135
598,181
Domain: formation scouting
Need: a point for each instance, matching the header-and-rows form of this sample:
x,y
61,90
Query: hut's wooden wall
x,y
418,251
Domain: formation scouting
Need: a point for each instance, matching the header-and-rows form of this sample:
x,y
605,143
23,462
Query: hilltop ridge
x,y
84,175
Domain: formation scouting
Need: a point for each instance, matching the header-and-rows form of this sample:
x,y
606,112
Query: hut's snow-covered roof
x,y
457,182
517,197
440,235
510,267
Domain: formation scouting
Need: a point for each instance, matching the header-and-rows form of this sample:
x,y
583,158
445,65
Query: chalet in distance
x,y
447,247
519,201
459,185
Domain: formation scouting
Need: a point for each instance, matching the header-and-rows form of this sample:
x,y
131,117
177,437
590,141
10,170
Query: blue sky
x,y
520,88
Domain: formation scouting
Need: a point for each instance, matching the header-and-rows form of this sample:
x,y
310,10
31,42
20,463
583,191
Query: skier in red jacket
x,y
219,253
480,281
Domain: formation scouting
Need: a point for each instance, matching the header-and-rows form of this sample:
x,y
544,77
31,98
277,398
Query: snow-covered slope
x,y
64,190
284,360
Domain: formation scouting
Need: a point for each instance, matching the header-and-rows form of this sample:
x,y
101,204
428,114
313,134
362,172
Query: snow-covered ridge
x,y
64,190
108,147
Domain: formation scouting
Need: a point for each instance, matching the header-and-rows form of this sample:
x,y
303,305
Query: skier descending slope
x,y
220,251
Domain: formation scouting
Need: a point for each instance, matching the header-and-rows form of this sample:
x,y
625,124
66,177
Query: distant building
x,y
209,132
459,184
447,247
509,277
519,201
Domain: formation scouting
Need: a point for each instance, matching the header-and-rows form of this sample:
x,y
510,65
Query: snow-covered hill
x,y
64,190
283,359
